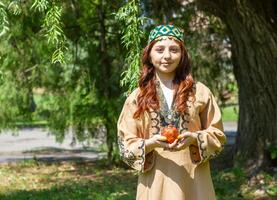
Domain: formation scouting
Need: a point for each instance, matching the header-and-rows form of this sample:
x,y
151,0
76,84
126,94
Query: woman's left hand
x,y
186,139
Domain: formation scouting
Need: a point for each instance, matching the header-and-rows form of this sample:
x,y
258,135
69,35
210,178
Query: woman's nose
x,y
166,54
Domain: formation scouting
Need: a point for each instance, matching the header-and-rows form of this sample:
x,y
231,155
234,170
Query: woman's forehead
x,y
166,41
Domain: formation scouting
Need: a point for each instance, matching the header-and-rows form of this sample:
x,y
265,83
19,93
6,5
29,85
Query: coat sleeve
x,y
210,139
130,139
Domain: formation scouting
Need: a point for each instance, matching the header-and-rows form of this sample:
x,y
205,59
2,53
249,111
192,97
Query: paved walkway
x,y
37,143
230,129
29,143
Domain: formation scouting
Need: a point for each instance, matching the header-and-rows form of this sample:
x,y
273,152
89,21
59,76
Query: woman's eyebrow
x,y
159,46
175,46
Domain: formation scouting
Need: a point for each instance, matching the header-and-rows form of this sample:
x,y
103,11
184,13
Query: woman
x,y
169,99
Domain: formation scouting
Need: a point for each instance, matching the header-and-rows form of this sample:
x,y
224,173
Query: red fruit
x,y
171,133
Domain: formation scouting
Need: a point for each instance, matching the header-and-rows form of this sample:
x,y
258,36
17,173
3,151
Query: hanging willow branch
x,y
54,33
131,39
4,23
52,27
40,5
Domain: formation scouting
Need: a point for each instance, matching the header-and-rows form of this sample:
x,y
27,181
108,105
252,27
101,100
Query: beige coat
x,y
177,175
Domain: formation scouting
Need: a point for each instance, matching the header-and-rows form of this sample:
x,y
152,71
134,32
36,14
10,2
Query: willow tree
x,y
252,29
72,51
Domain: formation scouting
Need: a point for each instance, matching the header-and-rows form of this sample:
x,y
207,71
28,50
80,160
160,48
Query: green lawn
x,y
80,181
65,180
230,113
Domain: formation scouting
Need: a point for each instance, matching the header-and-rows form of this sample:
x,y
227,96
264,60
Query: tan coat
x,y
177,175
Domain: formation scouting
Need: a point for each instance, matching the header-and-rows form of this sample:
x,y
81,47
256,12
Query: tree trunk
x,y
105,81
251,27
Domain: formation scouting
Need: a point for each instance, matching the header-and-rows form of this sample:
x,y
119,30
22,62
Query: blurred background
x,y
66,68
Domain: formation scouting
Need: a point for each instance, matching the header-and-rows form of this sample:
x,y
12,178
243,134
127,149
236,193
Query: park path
x,y
37,143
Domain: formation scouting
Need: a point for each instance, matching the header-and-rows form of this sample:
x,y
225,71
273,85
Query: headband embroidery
x,y
166,30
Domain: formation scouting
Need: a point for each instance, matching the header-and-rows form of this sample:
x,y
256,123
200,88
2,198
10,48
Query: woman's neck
x,y
166,79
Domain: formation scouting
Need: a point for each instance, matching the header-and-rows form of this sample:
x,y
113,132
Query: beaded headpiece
x,y
166,30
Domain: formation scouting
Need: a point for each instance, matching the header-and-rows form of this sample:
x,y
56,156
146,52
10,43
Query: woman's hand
x,y
158,141
186,139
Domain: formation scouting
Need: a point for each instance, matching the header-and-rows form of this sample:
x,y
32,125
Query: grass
x,y
230,113
32,123
75,181
66,180
233,184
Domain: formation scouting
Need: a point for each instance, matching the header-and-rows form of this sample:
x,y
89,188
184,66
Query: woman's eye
x,y
174,50
159,50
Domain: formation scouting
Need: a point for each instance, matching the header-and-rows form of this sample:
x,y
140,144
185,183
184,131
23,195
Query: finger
x,y
183,140
162,138
183,135
183,144
159,138
173,144
187,135
162,144
180,137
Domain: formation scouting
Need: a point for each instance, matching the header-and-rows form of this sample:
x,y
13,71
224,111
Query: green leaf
x,y
40,5
4,23
128,15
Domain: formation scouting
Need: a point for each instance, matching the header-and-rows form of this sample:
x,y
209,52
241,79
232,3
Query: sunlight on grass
x,y
230,113
66,180
76,181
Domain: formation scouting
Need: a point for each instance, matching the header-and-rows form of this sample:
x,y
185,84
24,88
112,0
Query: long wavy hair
x,y
182,83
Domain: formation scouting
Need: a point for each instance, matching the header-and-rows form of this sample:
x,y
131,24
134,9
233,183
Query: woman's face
x,y
165,55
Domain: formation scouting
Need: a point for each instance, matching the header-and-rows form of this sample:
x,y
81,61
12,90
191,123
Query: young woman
x,y
168,101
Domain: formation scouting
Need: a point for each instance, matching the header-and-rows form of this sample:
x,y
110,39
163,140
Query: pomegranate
x,y
171,133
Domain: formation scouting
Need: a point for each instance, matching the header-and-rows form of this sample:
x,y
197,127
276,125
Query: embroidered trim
x,y
184,122
186,116
203,149
201,142
142,154
155,121
127,156
168,115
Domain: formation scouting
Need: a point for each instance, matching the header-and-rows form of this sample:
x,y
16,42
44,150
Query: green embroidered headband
x,y
166,30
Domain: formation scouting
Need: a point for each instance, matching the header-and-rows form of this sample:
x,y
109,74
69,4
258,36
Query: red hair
x,y
182,83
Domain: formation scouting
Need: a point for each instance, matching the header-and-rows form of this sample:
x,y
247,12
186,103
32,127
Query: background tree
x,y
80,81
80,84
252,29
249,30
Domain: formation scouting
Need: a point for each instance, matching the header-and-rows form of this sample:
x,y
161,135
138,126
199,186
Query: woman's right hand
x,y
158,141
